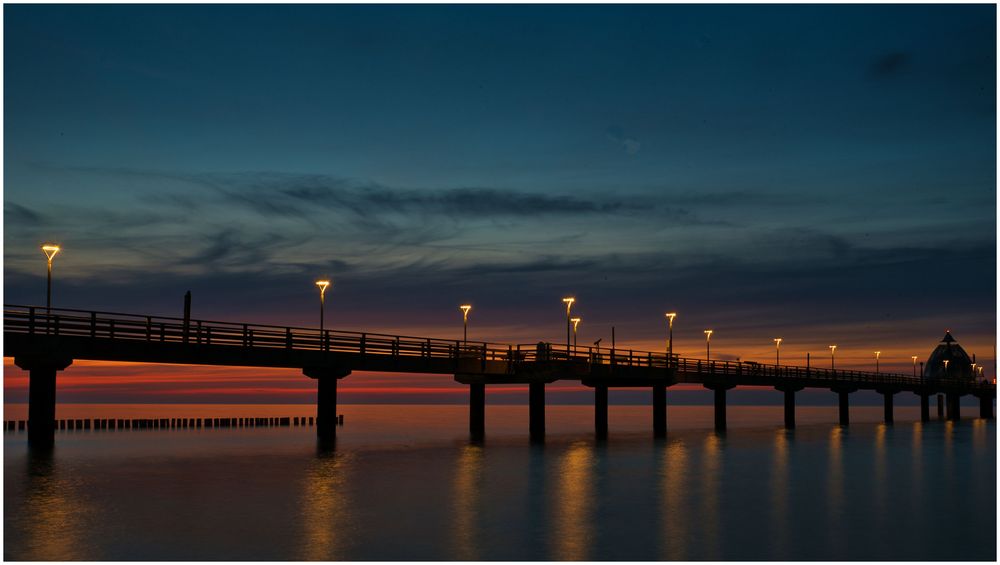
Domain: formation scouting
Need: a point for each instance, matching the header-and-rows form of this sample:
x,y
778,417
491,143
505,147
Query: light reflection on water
x,y
573,503
910,491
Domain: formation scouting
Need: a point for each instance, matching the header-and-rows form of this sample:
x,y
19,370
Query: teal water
x,y
402,484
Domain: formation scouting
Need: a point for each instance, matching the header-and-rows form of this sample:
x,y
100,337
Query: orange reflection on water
x,y
326,508
673,481
467,494
710,475
835,482
779,492
574,504
57,512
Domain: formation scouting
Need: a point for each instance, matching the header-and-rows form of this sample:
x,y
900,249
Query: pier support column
x,y
940,406
477,411
789,409
925,407
326,398
719,391
720,409
42,396
789,391
843,404
954,408
536,411
986,407
659,410
887,405
601,411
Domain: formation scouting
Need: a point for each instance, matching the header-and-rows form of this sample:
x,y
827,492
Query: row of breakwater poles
x,y
122,424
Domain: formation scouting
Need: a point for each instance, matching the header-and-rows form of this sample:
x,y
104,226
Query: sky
x,y
823,174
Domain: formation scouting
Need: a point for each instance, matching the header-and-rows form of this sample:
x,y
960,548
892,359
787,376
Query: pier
x,y
45,342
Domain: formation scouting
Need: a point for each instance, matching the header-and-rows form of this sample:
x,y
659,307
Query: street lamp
x,y
50,250
569,300
576,322
833,351
777,351
914,357
465,321
708,344
877,354
670,336
322,284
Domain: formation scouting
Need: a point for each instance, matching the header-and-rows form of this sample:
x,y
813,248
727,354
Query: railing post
x,y
111,328
245,330
326,340
250,338
163,332
363,343
428,348
208,335
93,324
288,338
149,328
31,320
199,332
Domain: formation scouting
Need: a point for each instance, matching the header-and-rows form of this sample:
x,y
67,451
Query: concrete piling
x,y
601,412
660,410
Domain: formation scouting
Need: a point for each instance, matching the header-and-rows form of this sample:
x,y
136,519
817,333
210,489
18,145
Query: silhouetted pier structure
x,y
44,342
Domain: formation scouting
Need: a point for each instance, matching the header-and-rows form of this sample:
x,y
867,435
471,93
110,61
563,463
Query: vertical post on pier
x,y
720,408
601,411
954,407
925,407
844,407
940,406
326,398
789,408
477,411
41,397
986,406
536,411
659,410
887,405
326,408
187,315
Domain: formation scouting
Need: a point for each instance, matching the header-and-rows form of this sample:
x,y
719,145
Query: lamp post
x,y
708,344
914,357
833,351
777,351
670,336
569,300
322,284
50,251
465,321
877,354
576,322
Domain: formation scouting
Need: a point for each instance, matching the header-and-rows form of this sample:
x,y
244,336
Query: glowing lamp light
x,y
576,322
322,284
50,250
465,309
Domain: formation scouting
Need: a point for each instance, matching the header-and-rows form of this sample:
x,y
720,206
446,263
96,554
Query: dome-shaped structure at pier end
x,y
958,366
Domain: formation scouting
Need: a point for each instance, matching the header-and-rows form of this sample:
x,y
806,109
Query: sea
x,y
403,482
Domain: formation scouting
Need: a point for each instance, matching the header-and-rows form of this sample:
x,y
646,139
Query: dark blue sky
x,y
823,173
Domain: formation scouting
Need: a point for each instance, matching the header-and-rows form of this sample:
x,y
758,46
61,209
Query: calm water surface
x,y
403,483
